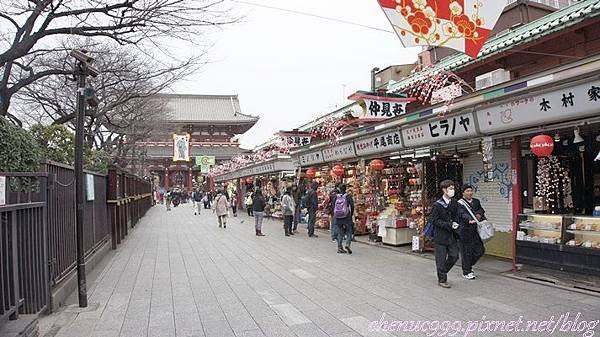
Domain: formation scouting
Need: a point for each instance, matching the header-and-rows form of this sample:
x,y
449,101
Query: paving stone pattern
x,y
179,275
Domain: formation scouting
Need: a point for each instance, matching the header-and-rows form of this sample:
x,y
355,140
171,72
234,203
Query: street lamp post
x,y
83,69
373,84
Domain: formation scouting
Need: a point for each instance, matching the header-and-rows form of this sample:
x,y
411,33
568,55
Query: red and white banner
x,y
463,25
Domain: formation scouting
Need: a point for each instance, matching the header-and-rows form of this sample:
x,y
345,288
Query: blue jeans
x,y
344,227
258,217
334,228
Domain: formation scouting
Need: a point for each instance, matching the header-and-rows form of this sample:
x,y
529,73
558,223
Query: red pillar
x,y
517,193
167,179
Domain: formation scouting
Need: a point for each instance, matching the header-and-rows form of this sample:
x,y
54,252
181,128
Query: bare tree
x,y
30,28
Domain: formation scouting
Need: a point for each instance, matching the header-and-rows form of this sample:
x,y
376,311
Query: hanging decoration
x,y
311,173
377,165
542,145
463,25
332,130
338,170
553,186
430,87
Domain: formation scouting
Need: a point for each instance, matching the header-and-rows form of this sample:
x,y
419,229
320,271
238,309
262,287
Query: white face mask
x,y
451,193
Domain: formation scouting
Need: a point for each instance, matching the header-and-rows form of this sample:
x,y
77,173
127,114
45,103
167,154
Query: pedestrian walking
x,y
258,205
471,245
312,204
298,194
332,197
249,202
220,206
168,198
343,213
197,197
234,202
288,207
443,218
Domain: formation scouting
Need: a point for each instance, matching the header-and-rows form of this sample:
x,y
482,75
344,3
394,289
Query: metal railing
x,y
23,246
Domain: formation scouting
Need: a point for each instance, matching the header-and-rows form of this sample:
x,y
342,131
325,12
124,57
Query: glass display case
x,y
564,242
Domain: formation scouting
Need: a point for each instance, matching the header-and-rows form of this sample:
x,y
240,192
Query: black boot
x,y
287,232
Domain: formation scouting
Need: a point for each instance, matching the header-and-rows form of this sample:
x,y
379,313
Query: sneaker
x,y
341,251
313,236
224,226
349,250
444,285
469,276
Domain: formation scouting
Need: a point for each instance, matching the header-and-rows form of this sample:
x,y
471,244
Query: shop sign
x,y
339,152
205,162
264,169
311,158
554,106
379,109
439,131
295,138
2,191
89,187
386,142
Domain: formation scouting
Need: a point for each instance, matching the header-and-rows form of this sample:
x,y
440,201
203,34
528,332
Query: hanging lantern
x,y
377,165
338,170
311,173
249,181
542,145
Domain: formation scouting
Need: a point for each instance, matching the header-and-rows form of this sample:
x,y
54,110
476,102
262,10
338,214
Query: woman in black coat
x,y
471,246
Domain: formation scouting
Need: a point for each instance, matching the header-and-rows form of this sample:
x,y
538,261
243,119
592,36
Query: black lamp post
x,y
373,84
83,69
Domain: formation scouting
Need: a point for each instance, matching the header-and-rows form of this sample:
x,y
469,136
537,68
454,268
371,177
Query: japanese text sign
x,y
554,106
339,152
385,142
311,158
440,130
379,109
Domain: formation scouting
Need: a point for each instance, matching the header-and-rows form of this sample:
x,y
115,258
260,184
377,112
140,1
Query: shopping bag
x,y
486,230
429,230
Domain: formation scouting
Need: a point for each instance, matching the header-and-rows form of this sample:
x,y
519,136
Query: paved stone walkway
x,y
179,275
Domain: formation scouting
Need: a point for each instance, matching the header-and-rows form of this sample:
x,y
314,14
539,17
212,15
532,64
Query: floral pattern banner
x,y
463,25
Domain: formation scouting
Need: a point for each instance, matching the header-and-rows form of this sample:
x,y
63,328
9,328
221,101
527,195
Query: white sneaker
x,y
469,276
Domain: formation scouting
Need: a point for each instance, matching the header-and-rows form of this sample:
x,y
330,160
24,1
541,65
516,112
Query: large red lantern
x,y
542,145
377,165
338,170
311,173
249,181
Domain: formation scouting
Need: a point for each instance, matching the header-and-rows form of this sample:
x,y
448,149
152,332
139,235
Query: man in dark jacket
x,y
443,217
471,246
312,204
298,194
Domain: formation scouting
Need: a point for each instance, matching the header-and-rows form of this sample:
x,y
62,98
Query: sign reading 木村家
x,y
555,106
385,142
439,130
339,152
2,190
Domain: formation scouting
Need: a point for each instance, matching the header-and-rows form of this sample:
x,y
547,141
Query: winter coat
x,y
287,205
258,204
221,205
442,216
468,231
312,201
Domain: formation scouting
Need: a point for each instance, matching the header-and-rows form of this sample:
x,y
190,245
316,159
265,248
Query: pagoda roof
x,y
207,109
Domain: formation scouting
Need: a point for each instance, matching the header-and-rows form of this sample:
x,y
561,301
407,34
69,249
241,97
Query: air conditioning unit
x,y
492,78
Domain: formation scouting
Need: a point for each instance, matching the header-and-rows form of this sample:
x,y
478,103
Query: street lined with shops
x,y
180,275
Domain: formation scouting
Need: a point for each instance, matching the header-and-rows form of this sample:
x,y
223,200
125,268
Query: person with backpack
x,y
343,212
471,246
221,206
288,207
443,218
332,197
258,204
197,197
312,204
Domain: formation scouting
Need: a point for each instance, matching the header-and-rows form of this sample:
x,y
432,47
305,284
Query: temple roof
x,y
207,109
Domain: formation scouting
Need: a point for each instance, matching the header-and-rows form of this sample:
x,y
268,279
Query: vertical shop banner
x,y
205,162
385,142
339,152
2,190
554,106
181,147
463,25
89,187
311,158
440,131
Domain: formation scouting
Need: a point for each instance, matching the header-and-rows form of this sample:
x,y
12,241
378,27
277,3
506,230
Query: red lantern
x,y
249,181
311,173
377,165
542,145
338,170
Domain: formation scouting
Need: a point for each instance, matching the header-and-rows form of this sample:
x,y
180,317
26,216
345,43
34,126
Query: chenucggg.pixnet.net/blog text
x,y
567,324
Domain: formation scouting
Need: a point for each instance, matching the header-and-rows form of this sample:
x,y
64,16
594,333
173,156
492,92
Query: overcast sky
x,y
289,69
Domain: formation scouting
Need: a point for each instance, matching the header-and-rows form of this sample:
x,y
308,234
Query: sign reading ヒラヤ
x,y
439,130
339,152
554,106
2,190
385,142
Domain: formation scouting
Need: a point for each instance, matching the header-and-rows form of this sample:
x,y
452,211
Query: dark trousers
x,y
344,228
250,210
470,253
312,219
297,215
445,258
288,223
